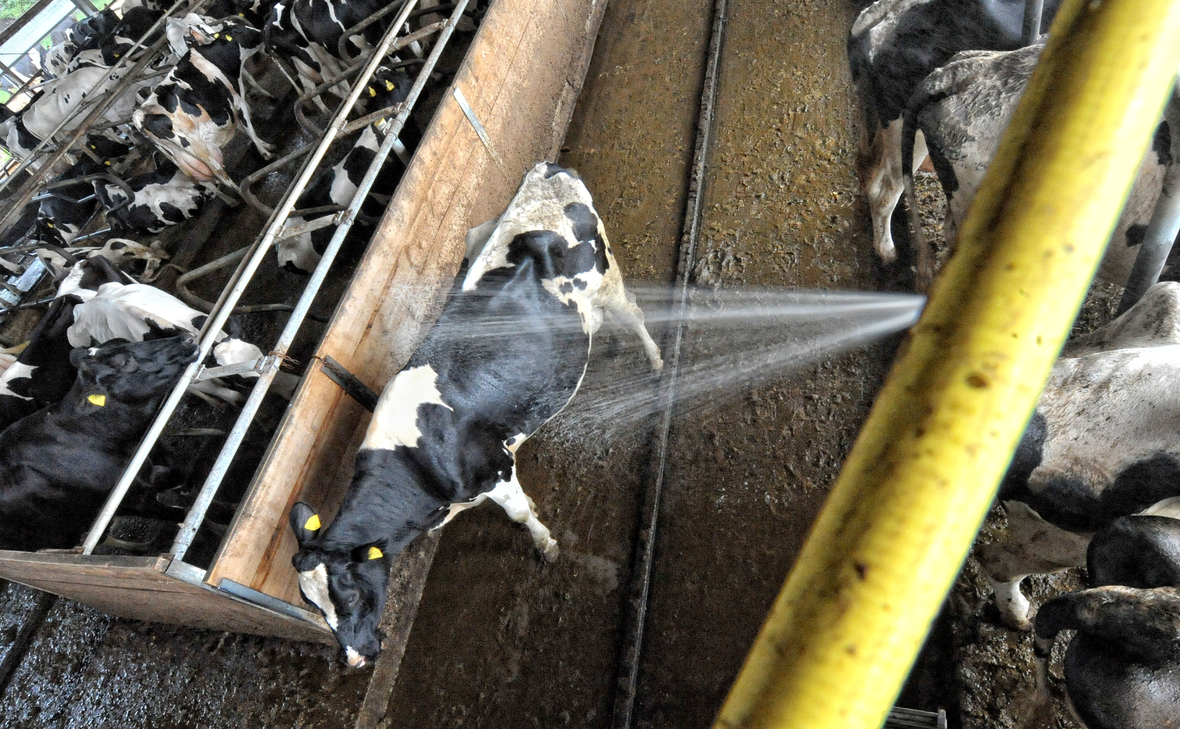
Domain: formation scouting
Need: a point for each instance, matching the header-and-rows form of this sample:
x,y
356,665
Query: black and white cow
x,y
163,197
58,465
135,312
307,34
894,44
82,35
962,110
193,113
446,429
42,373
1122,668
1101,444
337,185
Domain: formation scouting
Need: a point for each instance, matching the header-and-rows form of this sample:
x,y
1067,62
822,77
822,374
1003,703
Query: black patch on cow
x,y
1161,143
1077,504
1135,234
583,221
158,125
1136,551
566,288
552,169
580,284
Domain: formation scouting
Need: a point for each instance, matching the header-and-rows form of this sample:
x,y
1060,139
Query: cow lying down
x,y
446,429
58,465
1122,668
1101,445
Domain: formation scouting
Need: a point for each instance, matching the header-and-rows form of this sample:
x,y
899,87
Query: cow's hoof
x,y
1012,622
551,552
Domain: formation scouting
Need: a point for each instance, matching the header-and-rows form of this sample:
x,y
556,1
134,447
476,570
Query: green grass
x,y
14,8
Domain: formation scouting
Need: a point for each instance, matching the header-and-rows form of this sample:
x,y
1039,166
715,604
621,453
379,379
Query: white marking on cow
x,y
15,371
356,660
314,584
395,421
1168,507
123,311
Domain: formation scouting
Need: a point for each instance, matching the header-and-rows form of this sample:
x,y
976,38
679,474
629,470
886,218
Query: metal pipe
x,y
1161,231
885,549
1032,21
229,297
220,467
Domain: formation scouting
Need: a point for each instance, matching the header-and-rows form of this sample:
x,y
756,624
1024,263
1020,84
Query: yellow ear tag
x,y
49,224
375,553
99,400
228,38
389,86
313,523
106,162
372,92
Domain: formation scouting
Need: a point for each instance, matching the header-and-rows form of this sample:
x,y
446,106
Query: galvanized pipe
x,y
915,487
1032,21
208,490
1159,237
229,298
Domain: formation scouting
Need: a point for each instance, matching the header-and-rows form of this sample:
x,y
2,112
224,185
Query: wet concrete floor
x,y
501,639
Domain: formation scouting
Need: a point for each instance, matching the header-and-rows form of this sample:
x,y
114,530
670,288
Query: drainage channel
x,y
635,617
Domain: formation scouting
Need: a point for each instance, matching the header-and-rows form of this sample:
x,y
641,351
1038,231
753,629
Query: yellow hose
x,y
844,631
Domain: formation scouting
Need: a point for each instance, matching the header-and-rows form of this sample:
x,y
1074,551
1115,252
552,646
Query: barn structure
x,y
723,142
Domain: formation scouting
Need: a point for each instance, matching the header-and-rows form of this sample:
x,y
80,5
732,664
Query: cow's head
x,y
132,372
346,584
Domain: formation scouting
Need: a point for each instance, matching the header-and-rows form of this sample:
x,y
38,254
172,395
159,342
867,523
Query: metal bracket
x,y
260,365
350,383
475,124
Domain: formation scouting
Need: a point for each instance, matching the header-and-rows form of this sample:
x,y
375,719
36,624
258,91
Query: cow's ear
x,y
368,552
304,522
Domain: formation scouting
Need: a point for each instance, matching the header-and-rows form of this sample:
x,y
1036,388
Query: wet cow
x,y
507,353
1101,445
893,45
962,110
58,465
1122,667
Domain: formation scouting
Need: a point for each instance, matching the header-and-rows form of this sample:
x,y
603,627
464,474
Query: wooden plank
x,y
521,76
138,588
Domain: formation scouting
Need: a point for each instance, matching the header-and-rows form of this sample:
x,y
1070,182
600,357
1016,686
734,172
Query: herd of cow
x,y
77,397
1095,482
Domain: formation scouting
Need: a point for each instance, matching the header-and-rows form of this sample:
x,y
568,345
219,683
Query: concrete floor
x,y
502,640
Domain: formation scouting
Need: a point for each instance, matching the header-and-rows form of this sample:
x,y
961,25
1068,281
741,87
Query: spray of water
x,y
734,340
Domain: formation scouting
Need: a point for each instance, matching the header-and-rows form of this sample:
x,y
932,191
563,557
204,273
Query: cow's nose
x,y
356,660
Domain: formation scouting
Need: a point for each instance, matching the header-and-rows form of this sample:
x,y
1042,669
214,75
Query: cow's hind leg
x,y
616,299
1029,546
884,184
519,507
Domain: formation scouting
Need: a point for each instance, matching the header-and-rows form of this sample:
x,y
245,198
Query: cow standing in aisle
x,y
962,110
507,354
1101,444
893,45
